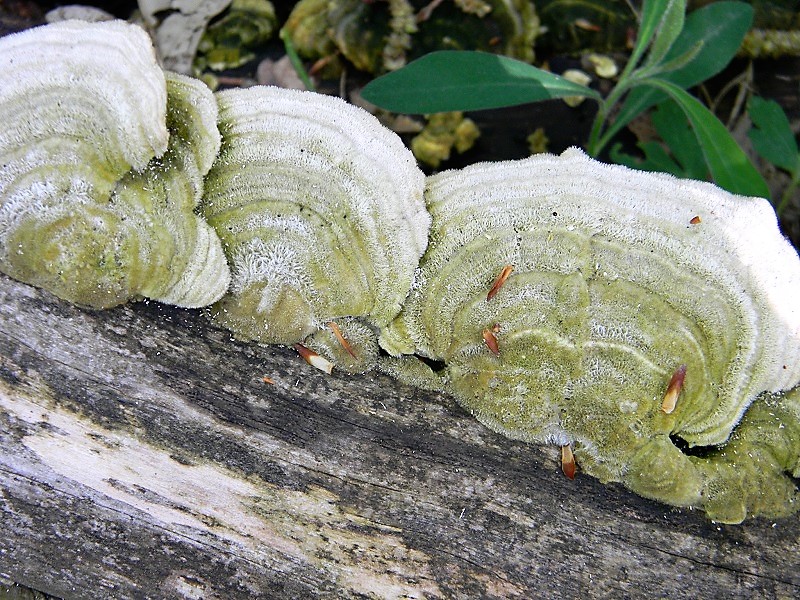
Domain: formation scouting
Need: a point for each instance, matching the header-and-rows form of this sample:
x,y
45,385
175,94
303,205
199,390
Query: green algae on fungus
x,y
613,291
231,41
102,165
321,213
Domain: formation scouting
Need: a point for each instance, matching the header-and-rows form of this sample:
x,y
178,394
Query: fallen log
x,y
146,454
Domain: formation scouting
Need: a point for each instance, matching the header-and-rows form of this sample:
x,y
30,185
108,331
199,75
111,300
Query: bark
x,y
143,454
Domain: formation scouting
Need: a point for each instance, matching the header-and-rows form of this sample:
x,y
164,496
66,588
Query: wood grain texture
x,y
142,455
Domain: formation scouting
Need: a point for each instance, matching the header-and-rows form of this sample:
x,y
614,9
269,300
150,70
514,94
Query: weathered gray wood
x,y
142,455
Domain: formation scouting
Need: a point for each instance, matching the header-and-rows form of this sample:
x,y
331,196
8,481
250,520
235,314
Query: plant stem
x,y
597,141
295,60
592,146
786,196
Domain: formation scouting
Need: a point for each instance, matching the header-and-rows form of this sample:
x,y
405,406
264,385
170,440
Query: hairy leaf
x,y
721,27
670,15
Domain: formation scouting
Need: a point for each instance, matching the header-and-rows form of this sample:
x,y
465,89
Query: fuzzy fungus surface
x,y
649,323
616,300
102,162
321,212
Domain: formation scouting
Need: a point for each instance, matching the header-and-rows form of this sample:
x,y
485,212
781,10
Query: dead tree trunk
x,y
146,454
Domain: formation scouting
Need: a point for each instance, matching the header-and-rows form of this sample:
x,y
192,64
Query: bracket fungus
x,y
648,325
321,212
616,307
102,164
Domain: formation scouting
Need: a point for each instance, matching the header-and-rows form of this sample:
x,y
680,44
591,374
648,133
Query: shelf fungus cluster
x,y
646,325
384,35
575,303
321,211
102,164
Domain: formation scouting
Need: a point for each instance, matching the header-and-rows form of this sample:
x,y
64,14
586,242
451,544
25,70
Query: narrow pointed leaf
x,y
294,59
653,13
669,28
451,80
679,154
721,27
656,158
728,164
671,124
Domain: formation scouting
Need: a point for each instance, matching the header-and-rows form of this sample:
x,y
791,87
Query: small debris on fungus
x,y
673,390
498,283
342,340
567,461
314,359
491,341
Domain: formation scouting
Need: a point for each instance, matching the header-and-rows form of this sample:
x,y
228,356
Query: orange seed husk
x,y
491,341
568,462
498,283
314,359
673,390
342,340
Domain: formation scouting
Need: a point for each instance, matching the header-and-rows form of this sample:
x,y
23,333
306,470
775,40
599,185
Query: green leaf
x,y
721,27
656,158
653,12
670,25
451,80
772,135
684,159
671,124
729,166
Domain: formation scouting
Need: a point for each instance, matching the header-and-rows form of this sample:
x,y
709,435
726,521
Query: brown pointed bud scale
x,y
673,390
314,359
491,341
568,462
498,283
342,340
